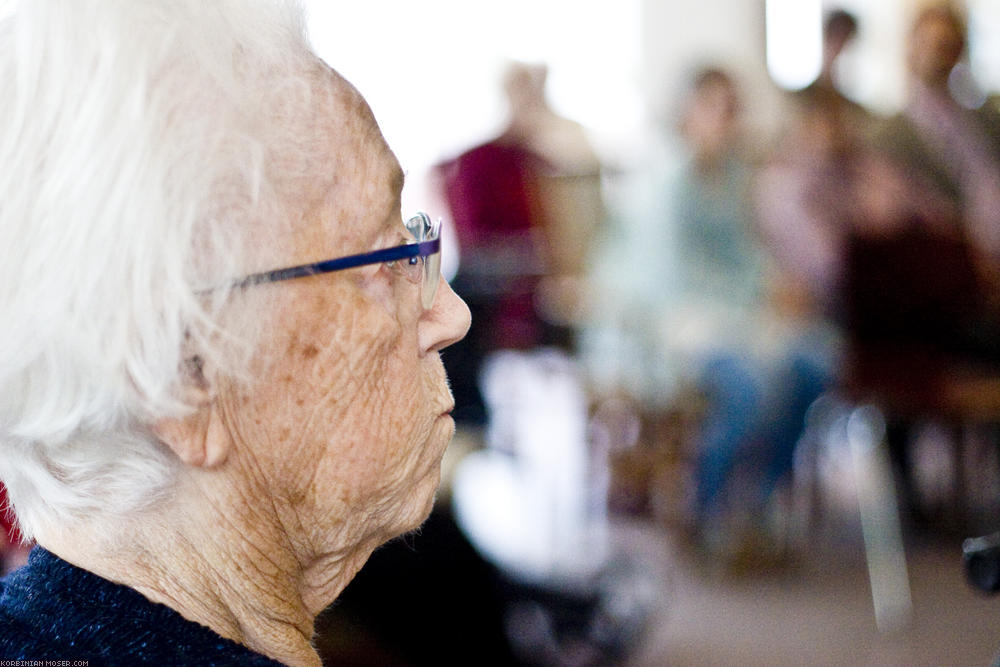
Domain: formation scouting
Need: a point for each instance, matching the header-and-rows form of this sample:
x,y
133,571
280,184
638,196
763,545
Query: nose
x,y
446,322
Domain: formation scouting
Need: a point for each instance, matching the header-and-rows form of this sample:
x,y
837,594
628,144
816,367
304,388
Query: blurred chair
x,y
923,345
920,348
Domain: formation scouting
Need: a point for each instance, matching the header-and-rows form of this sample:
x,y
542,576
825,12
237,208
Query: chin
x,y
422,499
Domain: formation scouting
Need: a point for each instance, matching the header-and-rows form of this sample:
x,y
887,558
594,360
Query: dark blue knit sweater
x,y
53,611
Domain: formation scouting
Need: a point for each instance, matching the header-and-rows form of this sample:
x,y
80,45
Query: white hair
x,y
134,139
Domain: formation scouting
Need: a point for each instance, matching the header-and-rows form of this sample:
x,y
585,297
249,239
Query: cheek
x,y
349,415
342,360
384,465
386,417
356,378
330,353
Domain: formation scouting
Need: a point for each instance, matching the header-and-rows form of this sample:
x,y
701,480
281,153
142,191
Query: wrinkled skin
x,y
290,481
348,425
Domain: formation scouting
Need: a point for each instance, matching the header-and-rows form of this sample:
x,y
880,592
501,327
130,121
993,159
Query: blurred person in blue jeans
x,y
756,361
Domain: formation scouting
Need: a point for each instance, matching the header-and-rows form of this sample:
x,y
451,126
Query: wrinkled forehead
x,y
348,196
342,110
340,159
346,133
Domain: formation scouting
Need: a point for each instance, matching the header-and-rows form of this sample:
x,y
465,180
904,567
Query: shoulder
x,y
52,610
20,639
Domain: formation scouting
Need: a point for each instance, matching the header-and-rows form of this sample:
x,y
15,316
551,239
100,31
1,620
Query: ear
x,y
199,438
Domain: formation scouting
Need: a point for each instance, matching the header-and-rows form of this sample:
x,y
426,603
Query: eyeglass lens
x,y
424,229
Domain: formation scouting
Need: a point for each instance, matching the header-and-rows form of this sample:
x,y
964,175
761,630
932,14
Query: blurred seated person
x,y
831,188
923,300
834,186
890,236
948,153
757,365
525,205
946,158
206,445
806,192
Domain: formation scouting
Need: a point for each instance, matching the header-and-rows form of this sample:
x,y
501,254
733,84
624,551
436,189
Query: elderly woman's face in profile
x,y
346,428
232,454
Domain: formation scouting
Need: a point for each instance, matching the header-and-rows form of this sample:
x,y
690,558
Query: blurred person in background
x,y
206,445
807,193
525,206
13,551
920,294
876,222
840,30
946,144
720,322
824,197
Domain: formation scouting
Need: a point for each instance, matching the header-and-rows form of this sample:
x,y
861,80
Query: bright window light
x,y
794,41
984,35
431,70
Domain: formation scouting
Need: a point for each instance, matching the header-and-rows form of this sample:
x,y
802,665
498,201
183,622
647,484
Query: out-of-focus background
x,y
432,70
732,389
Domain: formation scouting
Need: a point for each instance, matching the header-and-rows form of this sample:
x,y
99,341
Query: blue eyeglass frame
x,y
396,253
407,251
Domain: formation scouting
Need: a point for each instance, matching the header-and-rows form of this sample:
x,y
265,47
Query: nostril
x,y
446,323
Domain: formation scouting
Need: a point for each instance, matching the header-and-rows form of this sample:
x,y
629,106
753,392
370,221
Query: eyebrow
x,y
397,180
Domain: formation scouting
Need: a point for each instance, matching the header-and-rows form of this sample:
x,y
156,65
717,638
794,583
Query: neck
x,y
243,579
930,88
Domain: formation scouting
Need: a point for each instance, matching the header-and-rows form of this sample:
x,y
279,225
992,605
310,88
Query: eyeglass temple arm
x,y
421,249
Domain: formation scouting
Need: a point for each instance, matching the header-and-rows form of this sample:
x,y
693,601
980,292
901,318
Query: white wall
x,y
430,69
985,42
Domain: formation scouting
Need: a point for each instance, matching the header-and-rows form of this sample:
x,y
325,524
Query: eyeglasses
x,y
419,262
